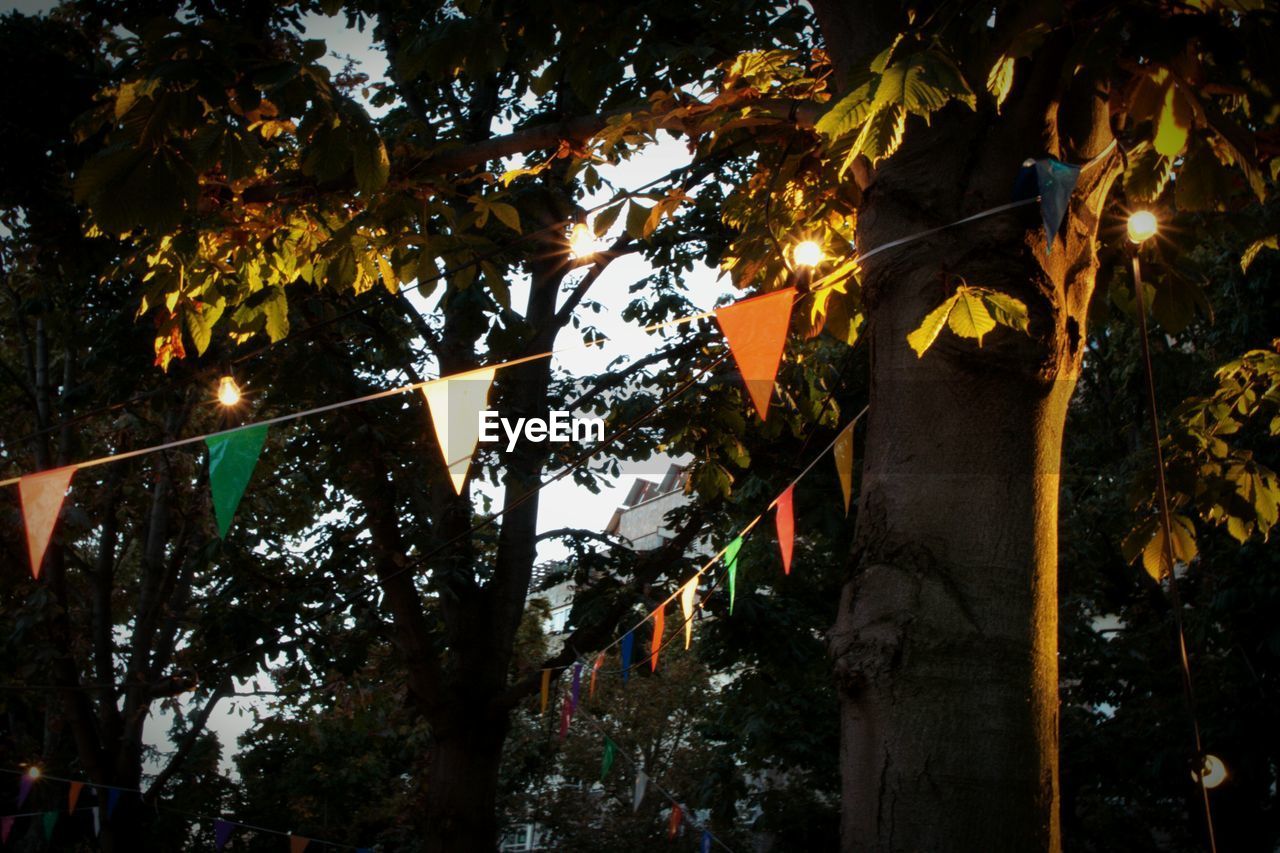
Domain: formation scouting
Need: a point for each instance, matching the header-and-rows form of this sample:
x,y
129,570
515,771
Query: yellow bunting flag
x,y
456,403
297,843
843,453
41,496
687,593
756,330
546,689
659,625
73,796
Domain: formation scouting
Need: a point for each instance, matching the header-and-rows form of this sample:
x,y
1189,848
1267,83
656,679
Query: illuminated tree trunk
x,y
945,645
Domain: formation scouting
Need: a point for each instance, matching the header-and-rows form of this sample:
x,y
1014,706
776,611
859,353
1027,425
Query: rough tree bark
x,y
945,645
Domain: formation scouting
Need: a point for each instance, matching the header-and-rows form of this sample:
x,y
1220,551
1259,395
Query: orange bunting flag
x,y
677,815
41,496
456,404
73,796
659,624
297,843
595,668
756,330
843,453
546,689
786,527
687,593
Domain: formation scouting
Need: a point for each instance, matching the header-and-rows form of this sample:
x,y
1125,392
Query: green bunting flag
x,y
232,457
49,820
731,566
607,761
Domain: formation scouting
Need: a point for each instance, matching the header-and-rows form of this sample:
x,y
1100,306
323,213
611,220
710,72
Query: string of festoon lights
x,y
1210,772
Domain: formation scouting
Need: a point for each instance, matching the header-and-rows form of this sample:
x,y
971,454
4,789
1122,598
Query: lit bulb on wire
x,y
1142,226
1213,772
228,391
807,253
33,772
582,242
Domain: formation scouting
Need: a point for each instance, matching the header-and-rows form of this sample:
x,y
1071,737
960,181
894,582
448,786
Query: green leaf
x,y
1005,309
604,219
200,322
1202,182
1255,248
637,217
1147,174
969,317
923,83
372,167
847,114
506,214
1155,556
275,312
924,336
880,136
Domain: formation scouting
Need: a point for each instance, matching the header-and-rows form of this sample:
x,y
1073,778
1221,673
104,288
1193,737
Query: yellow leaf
x,y
1155,557
923,337
388,275
1000,80
1173,123
970,318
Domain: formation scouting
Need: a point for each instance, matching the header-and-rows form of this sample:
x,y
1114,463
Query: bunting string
x,y
195,815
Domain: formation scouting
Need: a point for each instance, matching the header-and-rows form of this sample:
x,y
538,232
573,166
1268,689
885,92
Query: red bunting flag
x,y
677,815
756,330
73,796
546,689
297,843
659,623
687,594
786,527
595,668
843,453
456,404
566,714
41,496
6,826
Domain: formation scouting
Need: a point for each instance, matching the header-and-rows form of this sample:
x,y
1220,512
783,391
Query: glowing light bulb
x,y
582,243
1142,226
807,253
228,391
1214,772
33,772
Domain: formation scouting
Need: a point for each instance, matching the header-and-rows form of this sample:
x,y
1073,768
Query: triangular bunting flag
x,y
642,782
628,644
687,594
297,843
97,820
607,761
756,330
677,815
659,625
456,404
546,690
731,568
706,841
232,457
786,527
48,821
6,827
1057,181
73,796
575,691
222,830
25,783
113,798
595,668
843,453
41,496
566,714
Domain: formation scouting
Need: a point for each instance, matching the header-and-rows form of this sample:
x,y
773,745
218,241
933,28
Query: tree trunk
x,y
462,782
945,644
